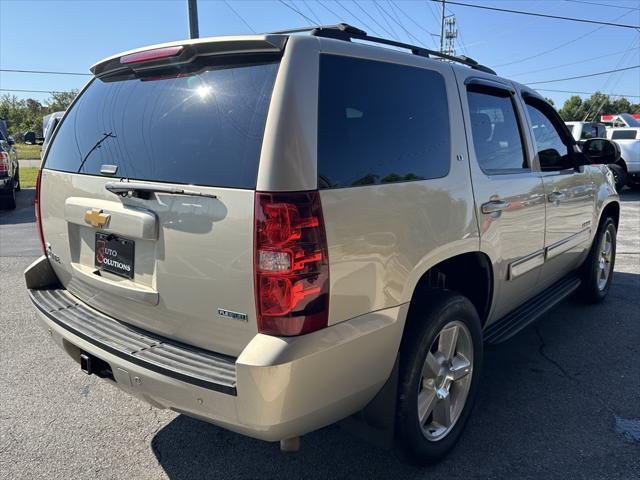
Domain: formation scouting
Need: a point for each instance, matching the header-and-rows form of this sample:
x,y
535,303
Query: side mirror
x,y
30,138
10,140
601,151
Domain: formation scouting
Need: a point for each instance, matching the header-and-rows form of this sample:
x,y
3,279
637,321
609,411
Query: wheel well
x,y
611,210
469,274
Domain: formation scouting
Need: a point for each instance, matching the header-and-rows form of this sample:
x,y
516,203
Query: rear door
x,y
507,188
177,265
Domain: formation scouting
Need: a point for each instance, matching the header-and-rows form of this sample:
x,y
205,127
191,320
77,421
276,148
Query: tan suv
x,y
275,232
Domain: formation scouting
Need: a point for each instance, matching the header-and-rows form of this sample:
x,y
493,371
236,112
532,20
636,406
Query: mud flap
x,y
375,423
40,275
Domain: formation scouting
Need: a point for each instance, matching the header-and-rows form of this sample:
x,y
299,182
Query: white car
x,y
628,138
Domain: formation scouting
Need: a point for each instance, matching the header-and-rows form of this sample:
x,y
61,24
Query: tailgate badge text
x,y
235,315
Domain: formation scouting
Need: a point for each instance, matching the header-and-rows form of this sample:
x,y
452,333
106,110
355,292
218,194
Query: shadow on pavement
x,y
24,212
629,195
543,399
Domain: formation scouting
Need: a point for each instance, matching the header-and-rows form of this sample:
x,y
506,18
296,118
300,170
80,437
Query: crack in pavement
x,y
590,392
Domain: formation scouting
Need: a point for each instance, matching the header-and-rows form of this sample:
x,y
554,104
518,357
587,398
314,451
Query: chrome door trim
x,y
525,264
568,243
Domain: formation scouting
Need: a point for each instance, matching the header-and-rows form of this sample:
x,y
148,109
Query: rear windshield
x,y
202,127
623,135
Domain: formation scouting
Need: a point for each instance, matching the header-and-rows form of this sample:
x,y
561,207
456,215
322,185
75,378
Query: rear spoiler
x,y
192,49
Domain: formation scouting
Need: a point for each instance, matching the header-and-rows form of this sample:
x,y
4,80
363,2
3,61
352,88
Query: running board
x,y
530,311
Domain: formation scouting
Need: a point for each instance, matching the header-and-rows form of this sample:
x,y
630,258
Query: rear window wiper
x,y
144,190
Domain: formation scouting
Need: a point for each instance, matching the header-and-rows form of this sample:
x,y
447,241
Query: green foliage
x,y
28,152
26,115
577,109
28,177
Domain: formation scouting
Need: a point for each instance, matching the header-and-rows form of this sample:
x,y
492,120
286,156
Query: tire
x,y
8,202
597,271
619,175
430,323
17,182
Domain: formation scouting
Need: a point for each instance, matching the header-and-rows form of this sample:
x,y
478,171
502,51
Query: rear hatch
x,y
169,246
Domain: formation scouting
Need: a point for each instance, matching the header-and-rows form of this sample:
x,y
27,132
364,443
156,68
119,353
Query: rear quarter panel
x,y
383,238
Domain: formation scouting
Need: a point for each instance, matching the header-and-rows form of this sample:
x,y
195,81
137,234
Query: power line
x,y
585,76
313,14
558,47
384,17
602,4
358,19
239,16
32,91
374,20
610,78
412,20
311,22
610,54
586,93
557,17
399,23
329,10
44,72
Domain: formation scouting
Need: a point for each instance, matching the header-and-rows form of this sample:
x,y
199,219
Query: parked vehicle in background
x,y
621,120
582,131
9,170
628,139
49,124
587,130
340,228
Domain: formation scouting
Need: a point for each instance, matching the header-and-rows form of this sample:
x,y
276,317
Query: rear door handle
x,y
556,196
494,206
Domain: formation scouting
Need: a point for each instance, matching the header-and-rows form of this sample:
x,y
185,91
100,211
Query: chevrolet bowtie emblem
x,y
96,218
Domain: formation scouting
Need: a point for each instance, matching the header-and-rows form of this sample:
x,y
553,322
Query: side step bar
x,y
530,311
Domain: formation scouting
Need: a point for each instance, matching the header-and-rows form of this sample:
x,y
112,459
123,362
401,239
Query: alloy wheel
x,y
604,260
446,379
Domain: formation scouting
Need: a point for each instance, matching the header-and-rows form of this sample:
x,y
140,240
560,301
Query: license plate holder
x,y
114,254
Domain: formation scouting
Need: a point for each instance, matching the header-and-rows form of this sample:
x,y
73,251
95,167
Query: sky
x,y
72,35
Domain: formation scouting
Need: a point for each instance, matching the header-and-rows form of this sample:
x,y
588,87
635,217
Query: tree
x,y
577,109
573,109
26,115
61,100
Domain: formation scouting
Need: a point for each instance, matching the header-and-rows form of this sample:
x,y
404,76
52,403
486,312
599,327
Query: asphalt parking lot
x,y
560,400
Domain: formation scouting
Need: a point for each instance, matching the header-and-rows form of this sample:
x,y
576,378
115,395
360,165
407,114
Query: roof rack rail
x,y
346,32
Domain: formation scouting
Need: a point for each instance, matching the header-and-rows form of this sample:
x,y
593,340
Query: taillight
x,y
4,163
37,208
291,263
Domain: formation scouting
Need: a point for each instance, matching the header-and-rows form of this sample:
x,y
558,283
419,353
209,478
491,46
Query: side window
x,y
552,152
588,131
495,130
602,131
380,123
623,135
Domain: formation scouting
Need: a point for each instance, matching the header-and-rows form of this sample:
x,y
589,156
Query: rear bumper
x,y
277,388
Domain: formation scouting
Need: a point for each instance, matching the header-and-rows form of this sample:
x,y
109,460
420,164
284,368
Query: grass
x,y
28,177
28,152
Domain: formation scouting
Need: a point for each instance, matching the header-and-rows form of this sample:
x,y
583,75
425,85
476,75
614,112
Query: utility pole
x,y
442,29
193,18
450,35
